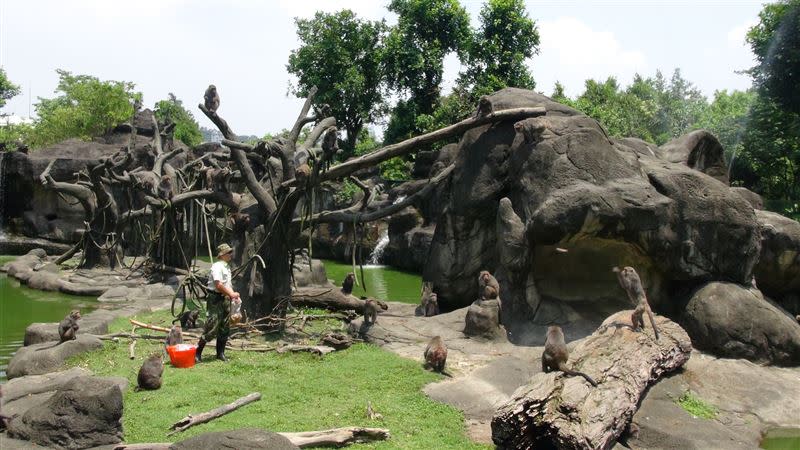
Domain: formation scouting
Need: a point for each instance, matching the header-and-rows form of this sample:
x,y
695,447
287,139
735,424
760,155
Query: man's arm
x,y
222,289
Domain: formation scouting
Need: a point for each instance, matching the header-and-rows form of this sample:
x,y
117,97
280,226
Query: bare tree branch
x,y
301,118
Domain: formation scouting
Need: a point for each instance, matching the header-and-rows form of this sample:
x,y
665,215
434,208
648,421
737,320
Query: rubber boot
x,y
198,354
221,348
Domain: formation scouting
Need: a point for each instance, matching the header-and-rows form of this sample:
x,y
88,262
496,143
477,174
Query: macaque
x,y
241,222
188,319
218,179
68,328
370,312
347,284
175,336
632,284
165,188
556,354
488,287
302,173
150,373
484,107
211,98
330,146
436,354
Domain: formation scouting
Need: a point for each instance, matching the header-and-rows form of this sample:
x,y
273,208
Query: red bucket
x,y
181,355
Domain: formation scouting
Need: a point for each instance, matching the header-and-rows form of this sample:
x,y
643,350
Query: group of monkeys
x,y
149,376
555,353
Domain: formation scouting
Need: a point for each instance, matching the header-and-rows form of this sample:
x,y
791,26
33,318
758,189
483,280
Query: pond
x,y
20,306
781,439
382,282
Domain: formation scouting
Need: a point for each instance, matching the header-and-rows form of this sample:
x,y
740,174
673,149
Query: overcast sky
x,y
242,46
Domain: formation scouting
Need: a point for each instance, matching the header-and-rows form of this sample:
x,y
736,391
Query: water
x,y
377,253
781,439
382,282
20,306
2,191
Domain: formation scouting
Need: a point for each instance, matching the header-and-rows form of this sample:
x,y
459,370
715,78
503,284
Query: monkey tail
x,y
652,322
574,373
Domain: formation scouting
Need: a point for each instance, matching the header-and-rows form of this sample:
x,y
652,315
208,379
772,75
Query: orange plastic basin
x,y
181,355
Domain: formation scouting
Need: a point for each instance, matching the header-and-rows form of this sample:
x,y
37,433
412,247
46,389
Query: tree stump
x,y
567,412
483,320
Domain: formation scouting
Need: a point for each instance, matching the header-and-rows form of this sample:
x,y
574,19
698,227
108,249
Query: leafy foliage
x,y
87,107
496,56
728,118
7,88
341,55
186,128
775,41
695,406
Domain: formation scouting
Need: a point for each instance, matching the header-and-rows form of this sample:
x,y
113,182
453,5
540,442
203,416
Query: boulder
x,y
754,199
48,356
778,270
20,394
733,321
83,413
96,322
315,275
666,211
245,438
483,320
44,281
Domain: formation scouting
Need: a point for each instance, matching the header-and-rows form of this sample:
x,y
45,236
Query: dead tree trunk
x,y
558,411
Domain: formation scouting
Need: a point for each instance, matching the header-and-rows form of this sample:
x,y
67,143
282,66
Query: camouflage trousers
x,y
218,310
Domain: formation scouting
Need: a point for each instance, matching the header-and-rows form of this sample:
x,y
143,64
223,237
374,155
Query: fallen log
x,y
555,410
337,437
332,299
190,420
315,349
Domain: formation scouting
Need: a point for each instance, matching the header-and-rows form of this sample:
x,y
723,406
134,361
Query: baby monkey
x,y
556,354
632,284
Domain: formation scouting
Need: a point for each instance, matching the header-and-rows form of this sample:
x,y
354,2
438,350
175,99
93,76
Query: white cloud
x,y
369,9
571,52
737,34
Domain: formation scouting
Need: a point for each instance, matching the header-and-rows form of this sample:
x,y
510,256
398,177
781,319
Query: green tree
x,y
87,107
496,56
775,41
728,117
341,55
621,112
7,88
426,31
186,128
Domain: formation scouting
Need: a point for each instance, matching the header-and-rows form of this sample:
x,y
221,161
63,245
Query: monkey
x,y
556,354
432,307
797,318
241,222
150,373
632,284
370,312
165,189
188,319
302,174
347,284
488,287
436,354
330,146
68,328
146,181
532,129
211,98
484,107
218,179
427,288
175,336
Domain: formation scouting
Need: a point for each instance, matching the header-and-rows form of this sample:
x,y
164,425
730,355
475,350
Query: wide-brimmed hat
x,y
223,249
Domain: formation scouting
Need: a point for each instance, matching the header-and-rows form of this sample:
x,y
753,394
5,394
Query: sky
x,y
242,46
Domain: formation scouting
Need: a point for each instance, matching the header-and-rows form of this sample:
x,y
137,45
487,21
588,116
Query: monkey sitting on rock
x,y
150,373
68,328
429,304
632,284
556,354
488,287
370,312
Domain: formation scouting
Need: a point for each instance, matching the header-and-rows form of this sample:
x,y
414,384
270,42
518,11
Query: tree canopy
x,y
186,128
341,55
7,88
86,107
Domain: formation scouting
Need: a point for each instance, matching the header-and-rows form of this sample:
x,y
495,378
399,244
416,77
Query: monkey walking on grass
x,y
632,284
68,328
555,354
436,354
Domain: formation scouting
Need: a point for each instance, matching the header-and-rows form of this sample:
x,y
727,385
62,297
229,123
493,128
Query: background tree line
x,y
361,67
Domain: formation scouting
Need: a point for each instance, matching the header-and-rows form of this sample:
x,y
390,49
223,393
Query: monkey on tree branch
x,y
273,210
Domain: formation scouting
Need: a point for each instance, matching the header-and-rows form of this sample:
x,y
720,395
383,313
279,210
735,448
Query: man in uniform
x,y
218,303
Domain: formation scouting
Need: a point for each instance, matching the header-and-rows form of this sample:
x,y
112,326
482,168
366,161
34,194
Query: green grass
x,y
696,406
300,392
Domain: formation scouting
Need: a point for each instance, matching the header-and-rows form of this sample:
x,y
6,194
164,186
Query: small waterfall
x,y
377,253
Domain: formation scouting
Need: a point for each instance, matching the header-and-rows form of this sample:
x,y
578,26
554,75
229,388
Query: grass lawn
x,y
300,392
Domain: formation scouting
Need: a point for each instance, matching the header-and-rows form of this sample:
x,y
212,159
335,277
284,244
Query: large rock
x,y
20,394
95,322
608,202
483,320
245,438
778,270
46,357
732,321
83,413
